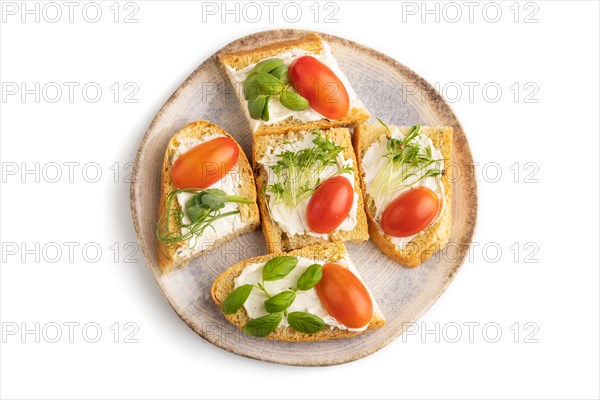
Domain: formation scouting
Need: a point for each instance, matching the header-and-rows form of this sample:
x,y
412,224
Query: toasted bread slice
x,y
433,238
311,44
277,239
330,252
171,255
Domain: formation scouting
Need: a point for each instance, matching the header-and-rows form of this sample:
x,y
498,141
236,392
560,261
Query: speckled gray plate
x,y
404,294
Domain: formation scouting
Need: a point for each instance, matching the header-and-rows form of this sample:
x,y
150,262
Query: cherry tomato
x,y
205,164
329,205
344,296
317,83
410,213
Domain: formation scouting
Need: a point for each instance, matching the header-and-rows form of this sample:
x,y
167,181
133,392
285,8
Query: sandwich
x,y
293,84
207,194
308,188
311,294
406,180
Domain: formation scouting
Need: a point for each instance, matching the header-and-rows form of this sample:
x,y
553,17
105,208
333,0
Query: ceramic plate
x,y
391,92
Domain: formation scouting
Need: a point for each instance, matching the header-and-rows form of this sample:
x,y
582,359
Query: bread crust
x,y
248,212
277,240
436,236
329,252
311,43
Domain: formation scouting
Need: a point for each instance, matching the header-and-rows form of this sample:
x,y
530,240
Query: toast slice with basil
x,y
175,245
240,64
435,236
310,328
277,234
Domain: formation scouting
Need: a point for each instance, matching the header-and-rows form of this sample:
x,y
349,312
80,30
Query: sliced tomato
x,y
317,83
344,296
410,213
329,205
205,164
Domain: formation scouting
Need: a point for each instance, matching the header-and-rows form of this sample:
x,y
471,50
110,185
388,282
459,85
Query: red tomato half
x,y
344,296
324,91
410,213
329,205
205,164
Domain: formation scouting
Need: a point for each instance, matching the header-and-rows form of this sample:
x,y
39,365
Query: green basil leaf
x,y
268,65
213,198
305,322
265,113
293,101
281,73
263,326
310,277
269,85
278,268
236,299
256,107
192,202
215,191
280,301
197,212
251,87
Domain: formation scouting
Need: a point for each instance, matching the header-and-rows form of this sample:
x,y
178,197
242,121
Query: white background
x,y
557,216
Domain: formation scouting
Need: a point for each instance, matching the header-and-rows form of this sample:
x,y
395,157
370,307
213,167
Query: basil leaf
x,y
251,87
293,101
280,301
269,85
278,268
236,299
256,107
268,65
213,199
263,326
197,212
305,322
310,277
281,73
265,113
215,191
191,202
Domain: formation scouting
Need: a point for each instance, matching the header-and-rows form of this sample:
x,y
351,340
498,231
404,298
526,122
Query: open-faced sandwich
x,y
207,194
308,189
311,294
294,84
406,178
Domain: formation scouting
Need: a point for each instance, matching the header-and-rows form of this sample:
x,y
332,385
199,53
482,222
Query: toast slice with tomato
x,y
338,295
333,104
278,233
176,246
436,234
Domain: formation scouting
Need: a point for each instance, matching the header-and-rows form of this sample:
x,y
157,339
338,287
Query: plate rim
x,y
441,107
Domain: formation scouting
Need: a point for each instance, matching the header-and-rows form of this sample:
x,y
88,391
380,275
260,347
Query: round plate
x,y
403,294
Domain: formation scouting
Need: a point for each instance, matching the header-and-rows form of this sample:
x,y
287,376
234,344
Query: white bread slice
x,y
277,239
313,44
436,236
329,252
168,257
